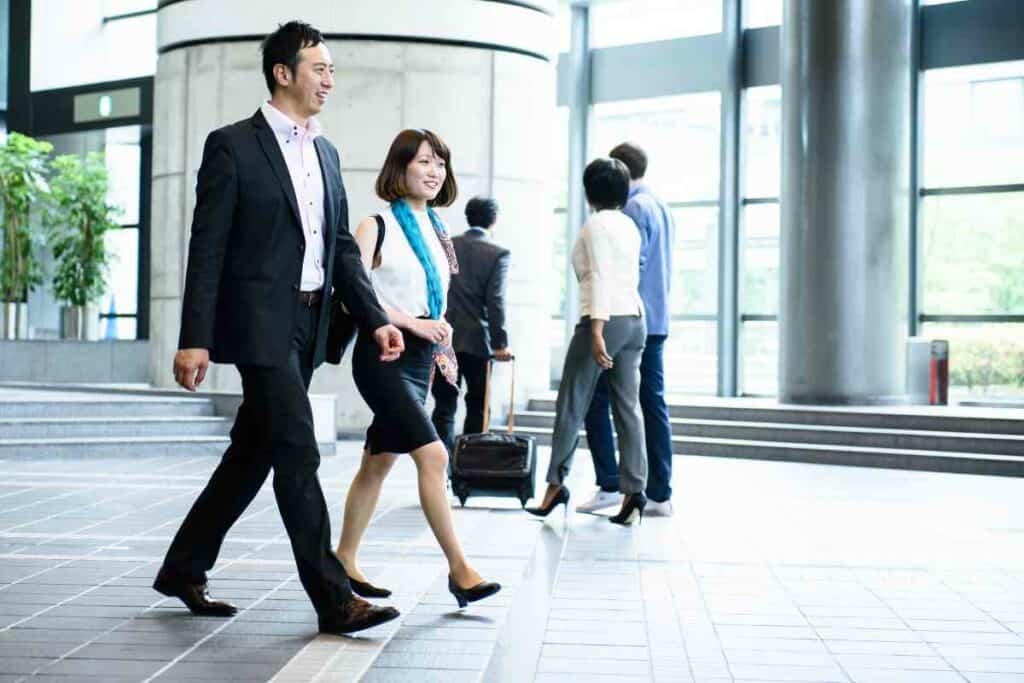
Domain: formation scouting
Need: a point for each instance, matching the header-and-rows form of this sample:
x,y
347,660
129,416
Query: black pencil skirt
x,y
396,393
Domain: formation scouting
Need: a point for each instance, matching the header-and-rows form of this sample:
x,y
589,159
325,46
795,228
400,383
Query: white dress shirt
x,y
303,163
400,282
606,258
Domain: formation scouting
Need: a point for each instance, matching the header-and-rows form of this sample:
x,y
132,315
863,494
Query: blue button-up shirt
x,y
657,234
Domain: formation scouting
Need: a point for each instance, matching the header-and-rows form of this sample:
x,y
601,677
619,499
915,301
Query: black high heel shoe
x,y
561,498
365,589
464,596
632,510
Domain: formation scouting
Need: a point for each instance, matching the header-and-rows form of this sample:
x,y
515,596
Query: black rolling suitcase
x,y
494,463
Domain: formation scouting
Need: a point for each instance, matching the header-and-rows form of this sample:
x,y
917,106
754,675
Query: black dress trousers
x,y
273,430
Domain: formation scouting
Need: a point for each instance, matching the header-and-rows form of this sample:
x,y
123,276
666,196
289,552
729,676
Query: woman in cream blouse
x,y
609,338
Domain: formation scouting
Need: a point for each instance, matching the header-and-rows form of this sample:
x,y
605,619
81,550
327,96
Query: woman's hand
x,y
600,352
434,331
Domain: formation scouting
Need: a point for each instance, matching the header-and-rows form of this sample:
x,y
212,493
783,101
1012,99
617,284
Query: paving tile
x,y
988,665
788,673
896,676
431,660
992,677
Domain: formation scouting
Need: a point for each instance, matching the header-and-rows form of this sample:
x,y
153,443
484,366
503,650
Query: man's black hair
x,y
283,46
633,157
481,212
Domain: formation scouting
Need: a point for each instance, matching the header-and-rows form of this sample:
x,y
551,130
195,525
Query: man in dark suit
x,y
270,244
476,312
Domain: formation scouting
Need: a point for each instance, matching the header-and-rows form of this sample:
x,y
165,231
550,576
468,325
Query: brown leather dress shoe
x,y
355,615
194,595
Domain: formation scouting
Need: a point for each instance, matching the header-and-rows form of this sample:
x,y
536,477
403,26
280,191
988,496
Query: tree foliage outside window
x,y
77,218
22,183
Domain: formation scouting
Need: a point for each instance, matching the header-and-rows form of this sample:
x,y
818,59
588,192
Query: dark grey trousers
x,y
624,338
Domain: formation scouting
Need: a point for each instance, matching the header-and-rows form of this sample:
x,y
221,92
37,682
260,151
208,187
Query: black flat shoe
x,y
464,596
561,498
356,615
365,589
194,595
632,510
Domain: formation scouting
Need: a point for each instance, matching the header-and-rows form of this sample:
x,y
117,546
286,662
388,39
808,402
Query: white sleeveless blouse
x,y
400,281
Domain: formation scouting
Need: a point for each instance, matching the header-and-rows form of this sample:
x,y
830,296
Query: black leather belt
x,y
310,299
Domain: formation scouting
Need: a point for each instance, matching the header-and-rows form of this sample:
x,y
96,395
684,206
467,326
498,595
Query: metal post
x,y
729,198
579,129
914,246
846,83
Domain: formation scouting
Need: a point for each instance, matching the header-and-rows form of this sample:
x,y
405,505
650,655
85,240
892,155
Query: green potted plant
x,y
77,218
22,183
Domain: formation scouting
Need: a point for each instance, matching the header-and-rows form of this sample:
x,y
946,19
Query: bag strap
x,y
487,397
380,240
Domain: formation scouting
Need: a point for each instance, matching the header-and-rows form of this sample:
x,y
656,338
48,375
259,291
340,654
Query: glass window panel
x,y
560,158
119,328
560,262
758,13
679,134
974,125
984,358
695,261
759,358
759,261
563,22
115,7
973,253
762,141
624,22
122,290
691,357
123,156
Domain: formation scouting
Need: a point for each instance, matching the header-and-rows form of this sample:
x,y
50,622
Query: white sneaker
x,y
662,509
602,499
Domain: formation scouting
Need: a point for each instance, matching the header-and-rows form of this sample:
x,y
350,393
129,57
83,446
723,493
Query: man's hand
x,y
504,354
190,366
389,339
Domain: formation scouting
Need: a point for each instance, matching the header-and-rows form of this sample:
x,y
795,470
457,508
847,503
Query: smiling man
x,y
270,243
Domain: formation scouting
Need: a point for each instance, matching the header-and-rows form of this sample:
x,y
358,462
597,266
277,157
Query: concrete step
x,y
965,420
822,454
108,427
872,437
138,447
106,407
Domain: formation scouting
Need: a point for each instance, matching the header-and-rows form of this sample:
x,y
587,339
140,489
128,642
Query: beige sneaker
x,y
601,500
663,509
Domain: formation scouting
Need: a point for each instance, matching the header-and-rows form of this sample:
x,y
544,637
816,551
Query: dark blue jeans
x,y
656,425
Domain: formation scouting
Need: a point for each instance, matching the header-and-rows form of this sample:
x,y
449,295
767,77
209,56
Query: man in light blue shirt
x,y
657,233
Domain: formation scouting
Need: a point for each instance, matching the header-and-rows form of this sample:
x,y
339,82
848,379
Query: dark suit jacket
x,y
476,296
245,254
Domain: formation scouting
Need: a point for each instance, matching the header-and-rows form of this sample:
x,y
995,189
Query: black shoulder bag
x,y
341,329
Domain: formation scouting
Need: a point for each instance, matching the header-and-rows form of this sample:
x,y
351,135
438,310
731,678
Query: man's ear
x,y
282,74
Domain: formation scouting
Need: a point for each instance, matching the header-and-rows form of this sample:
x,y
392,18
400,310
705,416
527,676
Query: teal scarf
x,y
411,227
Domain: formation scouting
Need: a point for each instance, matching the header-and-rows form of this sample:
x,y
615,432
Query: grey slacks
x,y
624,338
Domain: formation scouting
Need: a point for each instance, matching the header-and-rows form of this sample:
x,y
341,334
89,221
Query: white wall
x,y
71,46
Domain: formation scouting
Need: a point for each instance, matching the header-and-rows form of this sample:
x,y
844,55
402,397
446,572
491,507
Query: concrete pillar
x,y
846,83
478,73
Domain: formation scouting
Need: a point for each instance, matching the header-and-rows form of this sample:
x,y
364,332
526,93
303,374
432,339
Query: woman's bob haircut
x,y
391,181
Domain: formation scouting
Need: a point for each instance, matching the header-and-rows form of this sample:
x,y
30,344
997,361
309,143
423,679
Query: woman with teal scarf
x,y
410,270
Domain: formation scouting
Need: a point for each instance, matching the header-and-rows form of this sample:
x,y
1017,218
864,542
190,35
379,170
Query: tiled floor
x,y
769,572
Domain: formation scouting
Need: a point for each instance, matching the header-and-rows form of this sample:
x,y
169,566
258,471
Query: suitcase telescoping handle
x,y
487,396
